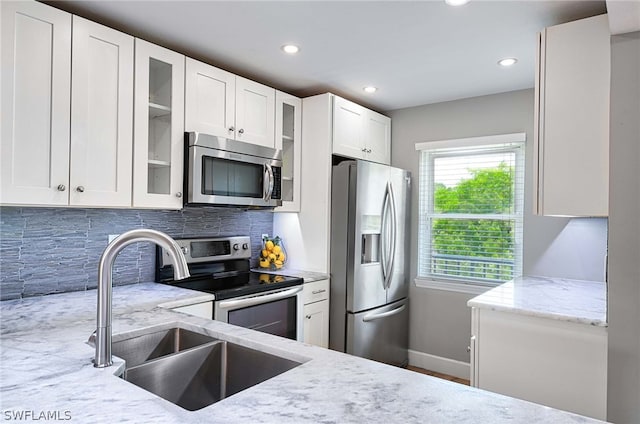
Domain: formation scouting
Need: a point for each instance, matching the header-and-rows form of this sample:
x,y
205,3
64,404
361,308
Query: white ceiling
x,y
415,52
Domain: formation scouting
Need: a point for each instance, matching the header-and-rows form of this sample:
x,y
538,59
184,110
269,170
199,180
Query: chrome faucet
x,y
105,272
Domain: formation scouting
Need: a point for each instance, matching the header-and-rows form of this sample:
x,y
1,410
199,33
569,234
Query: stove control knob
x,y
245,246
184,250
236,247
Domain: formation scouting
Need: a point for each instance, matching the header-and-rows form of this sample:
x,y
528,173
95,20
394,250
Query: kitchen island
x,y
46,369
544,340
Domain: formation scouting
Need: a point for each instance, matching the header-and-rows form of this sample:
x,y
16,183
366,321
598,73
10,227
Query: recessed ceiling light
x,y
509,61
290,48
456,2
370,89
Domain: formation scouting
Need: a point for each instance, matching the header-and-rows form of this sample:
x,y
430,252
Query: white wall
x,y
440,320
624,232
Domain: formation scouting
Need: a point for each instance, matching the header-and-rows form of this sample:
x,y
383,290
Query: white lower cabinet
x,y
316,313
202,310
552,362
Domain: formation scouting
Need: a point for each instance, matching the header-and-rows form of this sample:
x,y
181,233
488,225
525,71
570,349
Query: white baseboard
x,y
439,364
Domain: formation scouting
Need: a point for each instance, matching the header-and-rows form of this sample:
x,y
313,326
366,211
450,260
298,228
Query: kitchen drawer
x,y
315,291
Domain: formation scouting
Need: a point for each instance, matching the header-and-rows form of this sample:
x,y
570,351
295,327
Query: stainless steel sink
x,y
149,346
192,374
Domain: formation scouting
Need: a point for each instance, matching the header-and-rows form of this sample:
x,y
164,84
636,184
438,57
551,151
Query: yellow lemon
x,y
265,253
264,264
277,249
278,266
281,256
272,256
269,245
277,262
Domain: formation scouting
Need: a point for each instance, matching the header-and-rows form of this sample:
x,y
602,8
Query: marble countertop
x,y
308,276
46,368
555,298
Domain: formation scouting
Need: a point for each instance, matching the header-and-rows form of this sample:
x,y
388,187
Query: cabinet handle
x,y
368,150
80,189
241,131
232,129
318,291
179,194
364,150
62,187
308,317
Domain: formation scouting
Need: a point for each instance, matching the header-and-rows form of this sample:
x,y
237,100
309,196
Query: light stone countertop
x,y
45,367
308,276
562,299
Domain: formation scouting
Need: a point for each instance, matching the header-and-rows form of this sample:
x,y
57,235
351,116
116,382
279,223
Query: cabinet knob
x,y
62,187
468,348
364,150
368,150
241,131
80,189
179,194
232,129
308,317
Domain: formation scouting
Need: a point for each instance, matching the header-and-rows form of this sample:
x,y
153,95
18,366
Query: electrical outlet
x,y
112,236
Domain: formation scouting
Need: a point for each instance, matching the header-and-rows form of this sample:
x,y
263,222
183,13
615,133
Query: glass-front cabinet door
x,y
289,140
158,127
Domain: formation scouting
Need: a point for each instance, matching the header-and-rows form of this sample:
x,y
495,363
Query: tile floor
x,y
439,375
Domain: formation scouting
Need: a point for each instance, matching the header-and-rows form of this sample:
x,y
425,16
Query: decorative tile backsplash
x,y
55,250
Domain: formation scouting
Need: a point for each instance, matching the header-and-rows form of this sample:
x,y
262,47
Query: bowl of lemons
x,y
272,255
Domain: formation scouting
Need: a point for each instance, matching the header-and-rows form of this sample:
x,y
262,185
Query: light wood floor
x,y
439,375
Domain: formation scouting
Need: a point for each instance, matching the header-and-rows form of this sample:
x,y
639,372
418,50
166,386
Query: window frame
x,y
466,146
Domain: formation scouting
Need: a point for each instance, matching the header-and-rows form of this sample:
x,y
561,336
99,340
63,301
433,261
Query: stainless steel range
x,y
220,266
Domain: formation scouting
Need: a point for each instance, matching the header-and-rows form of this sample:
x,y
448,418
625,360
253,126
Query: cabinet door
x,y
316,323
36,87
159,127
572,139
289,140
348,129
255,112
101,116
210,100
378,137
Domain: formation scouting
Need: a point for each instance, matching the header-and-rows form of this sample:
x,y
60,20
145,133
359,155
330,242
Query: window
x,y
471,202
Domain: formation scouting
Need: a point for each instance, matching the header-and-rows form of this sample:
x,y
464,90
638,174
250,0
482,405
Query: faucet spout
x,y
105,277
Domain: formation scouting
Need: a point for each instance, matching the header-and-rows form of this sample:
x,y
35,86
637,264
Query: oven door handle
x,y
256,300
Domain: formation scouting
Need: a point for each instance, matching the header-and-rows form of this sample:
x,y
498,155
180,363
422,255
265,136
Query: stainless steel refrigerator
x,y
369,307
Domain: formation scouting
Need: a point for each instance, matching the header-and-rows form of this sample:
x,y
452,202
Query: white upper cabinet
x,y
158,127
36,79
360,133
101,116
220,103
210,99
289,140
255,112
572,116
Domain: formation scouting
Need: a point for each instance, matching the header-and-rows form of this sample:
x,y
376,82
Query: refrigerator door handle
x,y
373,317
394,234
383,238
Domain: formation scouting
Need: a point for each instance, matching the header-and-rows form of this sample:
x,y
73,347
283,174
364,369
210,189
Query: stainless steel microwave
x,y
228,172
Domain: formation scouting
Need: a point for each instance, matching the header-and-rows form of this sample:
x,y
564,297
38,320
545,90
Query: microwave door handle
x,y
269,182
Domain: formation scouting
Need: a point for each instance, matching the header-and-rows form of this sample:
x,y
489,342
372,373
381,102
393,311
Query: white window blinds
x,y
471,209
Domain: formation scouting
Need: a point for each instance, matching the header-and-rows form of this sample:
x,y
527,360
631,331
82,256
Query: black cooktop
x,y
227,285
